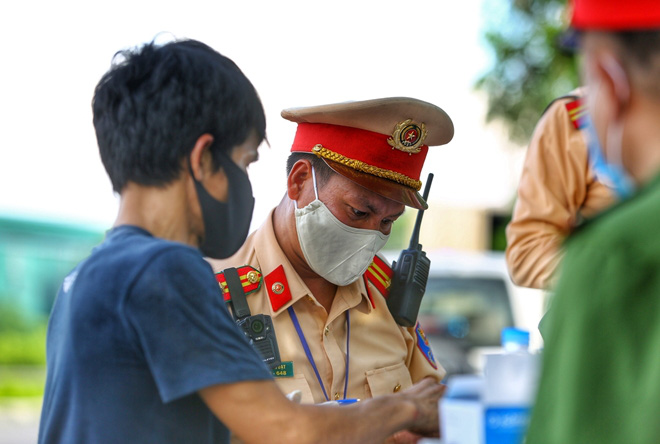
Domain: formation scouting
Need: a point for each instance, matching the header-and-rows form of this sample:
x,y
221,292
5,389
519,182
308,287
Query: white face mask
x,y
338,253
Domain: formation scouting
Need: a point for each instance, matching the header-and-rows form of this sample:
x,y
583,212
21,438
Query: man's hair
x,y
321,169
640,52
156,101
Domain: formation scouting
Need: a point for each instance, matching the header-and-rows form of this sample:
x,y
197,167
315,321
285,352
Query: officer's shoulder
x,y
570,107
276,288
379,274
246,254
249,277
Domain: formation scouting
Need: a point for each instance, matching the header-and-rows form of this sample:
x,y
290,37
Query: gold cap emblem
x,y
408,137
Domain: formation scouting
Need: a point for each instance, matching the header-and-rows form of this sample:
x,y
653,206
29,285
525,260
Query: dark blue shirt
x,y
136,330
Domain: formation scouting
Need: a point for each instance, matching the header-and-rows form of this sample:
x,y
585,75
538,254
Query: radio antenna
x,y
414,239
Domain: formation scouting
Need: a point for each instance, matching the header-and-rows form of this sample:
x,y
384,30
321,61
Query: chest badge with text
x,y
284,370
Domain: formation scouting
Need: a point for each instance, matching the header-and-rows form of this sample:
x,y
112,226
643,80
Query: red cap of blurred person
x,y
615,15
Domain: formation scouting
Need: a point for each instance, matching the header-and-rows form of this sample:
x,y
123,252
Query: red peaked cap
x,y
379,144
615,15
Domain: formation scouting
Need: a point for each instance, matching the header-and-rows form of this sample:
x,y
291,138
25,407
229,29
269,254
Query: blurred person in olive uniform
x,y
599,380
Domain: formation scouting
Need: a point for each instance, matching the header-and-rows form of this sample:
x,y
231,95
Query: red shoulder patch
x,y
277,288
379,274
577,112
250,279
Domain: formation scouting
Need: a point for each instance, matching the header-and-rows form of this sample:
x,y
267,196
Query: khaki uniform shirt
x,y
383,357
557,189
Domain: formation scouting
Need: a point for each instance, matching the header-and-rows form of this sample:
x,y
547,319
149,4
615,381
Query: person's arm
x,y
421,362
257,412
552,188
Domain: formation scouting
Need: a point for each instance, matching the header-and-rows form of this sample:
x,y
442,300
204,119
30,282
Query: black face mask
x,y
226,224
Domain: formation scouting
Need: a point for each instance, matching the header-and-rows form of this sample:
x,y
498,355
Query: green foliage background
x,y
530,69
22,355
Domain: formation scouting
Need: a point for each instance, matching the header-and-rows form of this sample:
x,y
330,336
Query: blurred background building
x,y
35,255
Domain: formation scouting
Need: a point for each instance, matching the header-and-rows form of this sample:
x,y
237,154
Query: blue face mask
x,y
613,175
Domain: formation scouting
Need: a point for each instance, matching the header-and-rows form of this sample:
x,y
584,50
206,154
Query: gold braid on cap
x,y
320,151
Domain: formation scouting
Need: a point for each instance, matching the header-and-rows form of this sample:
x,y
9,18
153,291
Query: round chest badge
x,y
408,137
278,288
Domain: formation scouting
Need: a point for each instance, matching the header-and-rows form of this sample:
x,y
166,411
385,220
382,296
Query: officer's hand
x,y
403,437
425,396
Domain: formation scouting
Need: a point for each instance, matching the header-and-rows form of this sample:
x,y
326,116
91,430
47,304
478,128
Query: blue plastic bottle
x,y
509,390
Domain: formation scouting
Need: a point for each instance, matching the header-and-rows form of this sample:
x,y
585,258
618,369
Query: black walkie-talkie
x,y
410,274
257,328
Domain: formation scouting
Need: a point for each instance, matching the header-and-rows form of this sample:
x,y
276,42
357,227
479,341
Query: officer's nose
x,y
380,225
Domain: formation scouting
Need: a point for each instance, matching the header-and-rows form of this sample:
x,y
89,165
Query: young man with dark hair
x,y
140,346
599,381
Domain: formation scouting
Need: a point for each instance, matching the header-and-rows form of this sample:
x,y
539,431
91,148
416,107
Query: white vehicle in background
x,y
469,299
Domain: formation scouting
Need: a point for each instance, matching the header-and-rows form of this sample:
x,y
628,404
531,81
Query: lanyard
x,y
308,352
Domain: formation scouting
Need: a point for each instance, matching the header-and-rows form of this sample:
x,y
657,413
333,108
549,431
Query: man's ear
x,y
299,177
615,81
201,161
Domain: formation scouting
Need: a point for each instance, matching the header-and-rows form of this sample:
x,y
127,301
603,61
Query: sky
x,y
296,53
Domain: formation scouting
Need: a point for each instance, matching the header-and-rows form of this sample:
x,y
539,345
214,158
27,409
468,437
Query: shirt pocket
x,y
388,380
297,382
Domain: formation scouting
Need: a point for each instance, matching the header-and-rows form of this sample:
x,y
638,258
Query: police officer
x,y
557,190
599,381
313,264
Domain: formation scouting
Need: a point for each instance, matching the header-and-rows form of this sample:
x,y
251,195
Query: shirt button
x,y
336,396
326,331
396,388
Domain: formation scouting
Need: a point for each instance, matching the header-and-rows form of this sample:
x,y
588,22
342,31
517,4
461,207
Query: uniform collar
x,y
276,268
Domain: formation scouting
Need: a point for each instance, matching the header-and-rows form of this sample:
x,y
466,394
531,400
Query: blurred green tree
x,y
530,69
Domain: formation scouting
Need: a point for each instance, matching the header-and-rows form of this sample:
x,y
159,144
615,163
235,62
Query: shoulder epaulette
x,y
250,279
577,113
379,274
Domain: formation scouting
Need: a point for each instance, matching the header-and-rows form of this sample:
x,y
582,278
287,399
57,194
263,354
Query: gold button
x,y
397,388
253,277
327,330
277,288
336,396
